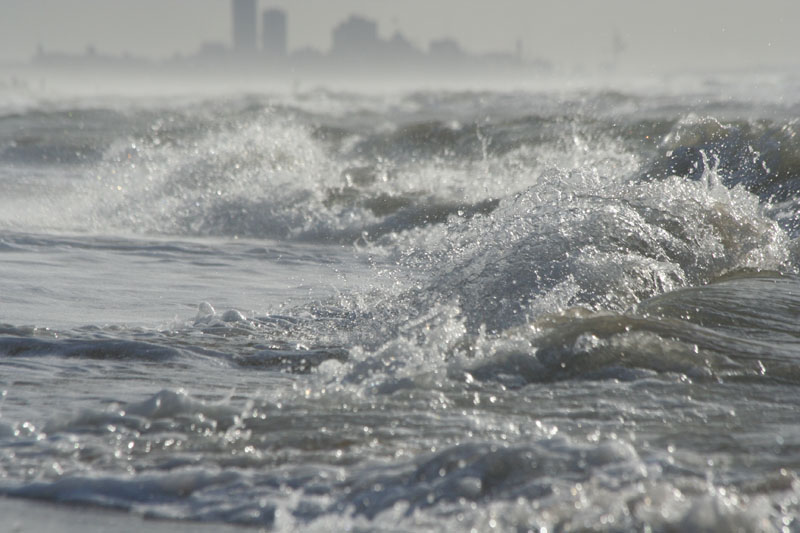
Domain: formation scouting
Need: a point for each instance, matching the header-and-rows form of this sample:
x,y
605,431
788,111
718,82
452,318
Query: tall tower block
x,y
273,33
244,26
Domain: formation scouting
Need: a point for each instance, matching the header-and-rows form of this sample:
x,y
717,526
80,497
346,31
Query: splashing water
x,y
428,311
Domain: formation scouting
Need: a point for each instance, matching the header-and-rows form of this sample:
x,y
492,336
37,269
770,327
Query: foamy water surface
x,y
549,310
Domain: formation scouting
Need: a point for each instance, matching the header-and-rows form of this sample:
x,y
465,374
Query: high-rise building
x,y
244,26
273,33
355,37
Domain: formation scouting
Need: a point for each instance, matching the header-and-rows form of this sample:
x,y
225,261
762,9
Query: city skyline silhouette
x,y
259,47
583,34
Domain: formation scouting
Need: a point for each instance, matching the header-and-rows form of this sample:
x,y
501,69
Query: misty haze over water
x,y
278,39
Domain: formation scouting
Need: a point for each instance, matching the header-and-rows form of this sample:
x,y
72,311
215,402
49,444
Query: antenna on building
x,y
618,45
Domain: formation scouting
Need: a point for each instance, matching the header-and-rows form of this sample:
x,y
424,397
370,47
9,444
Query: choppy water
x,y
553,309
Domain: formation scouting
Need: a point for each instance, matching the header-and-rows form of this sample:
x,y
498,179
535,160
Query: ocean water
x,y
564,308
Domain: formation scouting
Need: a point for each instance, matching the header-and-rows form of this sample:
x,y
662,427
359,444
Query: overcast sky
x,y
669,35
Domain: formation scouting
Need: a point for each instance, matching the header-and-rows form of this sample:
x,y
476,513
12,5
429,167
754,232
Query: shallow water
x,y
545,309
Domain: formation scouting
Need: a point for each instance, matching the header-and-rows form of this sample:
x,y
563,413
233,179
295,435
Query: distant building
x,y
308,58
244,26
446,50
212,50
400,51
355,37
273,33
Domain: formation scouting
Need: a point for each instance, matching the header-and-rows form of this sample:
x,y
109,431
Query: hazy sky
x,y
664,35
